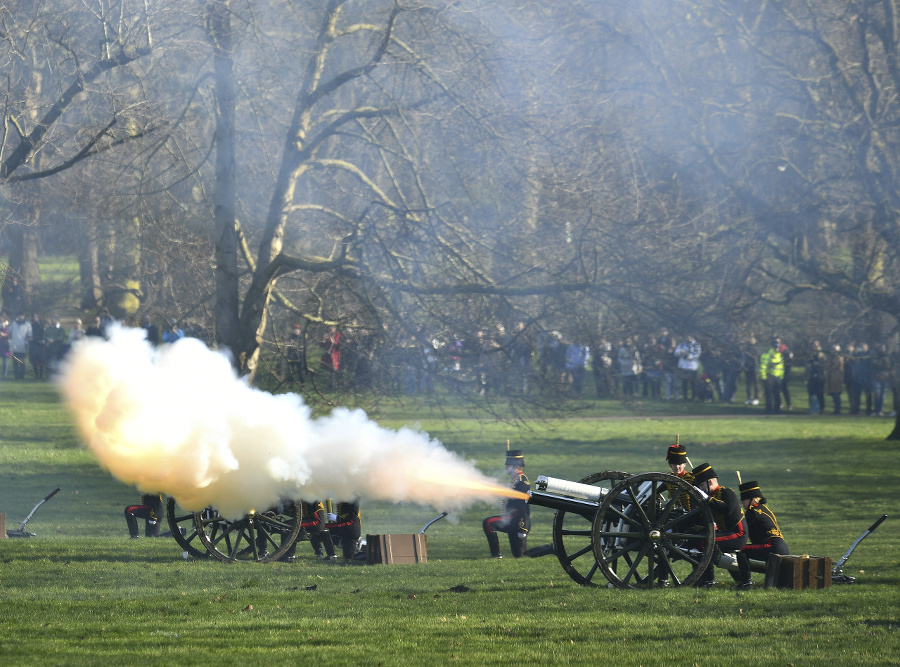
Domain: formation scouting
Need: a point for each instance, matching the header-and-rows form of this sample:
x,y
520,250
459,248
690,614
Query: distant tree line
x,y
395,165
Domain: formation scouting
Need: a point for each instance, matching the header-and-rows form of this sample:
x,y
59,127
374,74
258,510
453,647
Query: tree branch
x,y
25,150
88,150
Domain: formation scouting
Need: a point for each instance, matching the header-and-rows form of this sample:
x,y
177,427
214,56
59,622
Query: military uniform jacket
x,y
155,503
347,515
726,510
517,511
762,525
313,514
684,500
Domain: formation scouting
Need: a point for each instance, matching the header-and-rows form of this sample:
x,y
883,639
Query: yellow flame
x,y
479,488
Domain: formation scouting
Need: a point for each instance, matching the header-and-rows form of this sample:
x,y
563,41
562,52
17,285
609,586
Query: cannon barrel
x,y
568,496
585,508
728,561
565,487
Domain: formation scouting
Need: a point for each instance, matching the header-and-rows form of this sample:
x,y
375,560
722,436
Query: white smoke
x,y
178,420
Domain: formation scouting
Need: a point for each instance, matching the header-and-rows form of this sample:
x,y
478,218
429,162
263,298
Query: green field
x,y
81,592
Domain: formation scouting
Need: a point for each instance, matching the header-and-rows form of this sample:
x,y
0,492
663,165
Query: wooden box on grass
x,y
798,572
389,549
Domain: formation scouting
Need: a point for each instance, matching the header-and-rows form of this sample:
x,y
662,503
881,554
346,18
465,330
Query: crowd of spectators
x,y
43,343
853,377
659,367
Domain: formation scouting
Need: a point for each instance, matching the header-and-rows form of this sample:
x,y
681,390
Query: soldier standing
x,y
515,519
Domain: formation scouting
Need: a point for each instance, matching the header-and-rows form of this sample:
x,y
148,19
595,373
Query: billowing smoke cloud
x,y
179,421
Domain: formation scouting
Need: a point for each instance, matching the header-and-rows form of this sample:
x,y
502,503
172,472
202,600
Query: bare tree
x,y
59,59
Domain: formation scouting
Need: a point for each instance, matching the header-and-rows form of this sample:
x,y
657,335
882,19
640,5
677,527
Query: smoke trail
x,y
179,421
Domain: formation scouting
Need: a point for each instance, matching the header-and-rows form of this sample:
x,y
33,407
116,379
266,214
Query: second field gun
x,y
631,529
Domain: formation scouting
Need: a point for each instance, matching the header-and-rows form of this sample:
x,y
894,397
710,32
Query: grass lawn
x,y
81,592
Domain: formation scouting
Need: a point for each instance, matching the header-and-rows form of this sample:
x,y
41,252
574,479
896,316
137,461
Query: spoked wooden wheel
x,y
572,538
259,537
643,538
179,521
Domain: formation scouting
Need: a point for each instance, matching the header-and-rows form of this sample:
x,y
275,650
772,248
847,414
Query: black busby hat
x,y
514,457
751,490
703,472
676,454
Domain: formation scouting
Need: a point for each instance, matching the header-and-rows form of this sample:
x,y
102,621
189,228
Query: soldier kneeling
x,y
515,520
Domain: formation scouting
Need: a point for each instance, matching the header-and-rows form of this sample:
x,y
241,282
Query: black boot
x,y
707,579
494,545
744,570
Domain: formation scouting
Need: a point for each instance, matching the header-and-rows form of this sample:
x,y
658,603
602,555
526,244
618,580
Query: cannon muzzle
x,y
568,496
564,487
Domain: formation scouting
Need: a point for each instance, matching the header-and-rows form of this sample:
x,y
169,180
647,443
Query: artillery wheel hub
x,y
655,535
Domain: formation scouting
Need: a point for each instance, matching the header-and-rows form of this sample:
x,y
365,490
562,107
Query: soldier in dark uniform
x,y
676,456
313,524
345,524
731,526
515,519
765,535
151,510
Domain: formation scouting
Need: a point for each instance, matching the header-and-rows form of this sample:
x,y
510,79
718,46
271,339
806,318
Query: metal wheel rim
x,y
236,541
572,535
179,519
653,540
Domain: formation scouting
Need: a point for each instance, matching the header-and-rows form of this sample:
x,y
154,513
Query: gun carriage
x,y
628,531
257,537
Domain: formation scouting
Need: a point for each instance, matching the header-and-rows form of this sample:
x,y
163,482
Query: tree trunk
x,y
23,257
89,269
895,434
227,296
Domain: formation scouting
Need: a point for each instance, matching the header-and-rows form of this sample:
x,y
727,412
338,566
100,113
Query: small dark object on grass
x,y
461,588
314,587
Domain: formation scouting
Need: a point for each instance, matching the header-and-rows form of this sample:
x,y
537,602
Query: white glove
x,y
522,535
702,493
331,517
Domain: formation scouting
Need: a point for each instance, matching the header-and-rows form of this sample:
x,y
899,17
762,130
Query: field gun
x,y
644,530
260,537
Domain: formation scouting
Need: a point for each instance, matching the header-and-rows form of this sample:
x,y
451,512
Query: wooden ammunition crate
x,y
798,572
389,549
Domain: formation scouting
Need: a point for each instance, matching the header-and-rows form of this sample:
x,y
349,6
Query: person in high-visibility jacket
x,y
771,372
